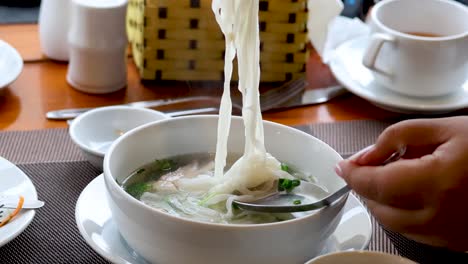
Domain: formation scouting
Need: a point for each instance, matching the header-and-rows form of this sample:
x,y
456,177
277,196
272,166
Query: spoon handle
x,y
283,202
12,203
288,207
345,189
318,204
332,197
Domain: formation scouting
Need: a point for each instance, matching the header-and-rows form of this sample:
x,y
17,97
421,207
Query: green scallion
x,y
285,167
164,165
137,189
287,184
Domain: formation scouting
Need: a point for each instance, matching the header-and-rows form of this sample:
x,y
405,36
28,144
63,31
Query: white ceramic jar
x,y
97,42
53,28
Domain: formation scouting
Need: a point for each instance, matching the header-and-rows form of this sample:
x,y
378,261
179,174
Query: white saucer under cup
x,y
97,43
348,69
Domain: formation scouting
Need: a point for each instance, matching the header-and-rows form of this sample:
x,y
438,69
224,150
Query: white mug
x,y
97,44
419,47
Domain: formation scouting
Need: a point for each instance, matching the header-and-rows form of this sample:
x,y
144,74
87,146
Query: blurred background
x,y
14,11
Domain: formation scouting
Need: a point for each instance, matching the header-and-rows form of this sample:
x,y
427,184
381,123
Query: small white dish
x,y
94,220
11,64
360,257
14,182
95,131
347,67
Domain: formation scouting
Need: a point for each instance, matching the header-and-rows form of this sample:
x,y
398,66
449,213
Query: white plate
x,y
347,67
11,64
14,182
95,224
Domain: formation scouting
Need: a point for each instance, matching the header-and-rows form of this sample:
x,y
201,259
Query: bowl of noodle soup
x,y
171,183
162,237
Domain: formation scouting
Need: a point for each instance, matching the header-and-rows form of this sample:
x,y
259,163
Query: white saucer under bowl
x,y
95,224
348,69
14,182
11,64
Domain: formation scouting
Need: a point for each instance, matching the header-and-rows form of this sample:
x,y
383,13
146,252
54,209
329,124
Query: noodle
x,y
239,22
194,190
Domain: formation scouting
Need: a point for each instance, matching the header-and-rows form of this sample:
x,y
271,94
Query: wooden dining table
x,y
42,87
43,149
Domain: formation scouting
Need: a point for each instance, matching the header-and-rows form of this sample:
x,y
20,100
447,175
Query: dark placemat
x,y
18,15
60,173
51,145
52,236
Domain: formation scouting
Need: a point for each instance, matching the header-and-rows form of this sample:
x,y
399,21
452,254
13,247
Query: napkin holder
x,y
181,41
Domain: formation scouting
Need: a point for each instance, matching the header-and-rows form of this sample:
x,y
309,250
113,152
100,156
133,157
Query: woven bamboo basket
x,y
180,40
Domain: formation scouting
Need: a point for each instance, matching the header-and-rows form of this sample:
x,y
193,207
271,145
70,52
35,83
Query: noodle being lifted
x,y
194,186
256,171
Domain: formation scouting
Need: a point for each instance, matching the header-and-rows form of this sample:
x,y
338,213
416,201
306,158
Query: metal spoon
x,y
205,110
300,200
11,202
293,202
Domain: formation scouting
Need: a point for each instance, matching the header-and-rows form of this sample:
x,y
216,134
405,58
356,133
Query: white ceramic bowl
x,y
95,130
166,239
360,257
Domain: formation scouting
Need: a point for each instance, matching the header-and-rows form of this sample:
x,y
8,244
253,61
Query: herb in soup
x,y
137,189
287,184
181,186
285,167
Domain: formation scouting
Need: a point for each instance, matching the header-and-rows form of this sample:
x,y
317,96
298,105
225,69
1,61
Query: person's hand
x,y
424,196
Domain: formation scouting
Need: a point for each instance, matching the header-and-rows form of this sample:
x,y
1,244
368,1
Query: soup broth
x,y
179,186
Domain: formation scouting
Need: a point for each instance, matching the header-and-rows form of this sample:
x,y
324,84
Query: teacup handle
x,y
373,50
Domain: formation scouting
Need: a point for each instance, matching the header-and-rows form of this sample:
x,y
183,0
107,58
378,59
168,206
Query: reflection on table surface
x,y
42,87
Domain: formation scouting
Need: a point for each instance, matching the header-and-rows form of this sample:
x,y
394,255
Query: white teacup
x,y
419,47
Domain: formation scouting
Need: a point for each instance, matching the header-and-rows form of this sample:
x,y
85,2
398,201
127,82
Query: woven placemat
x,y
60,173
53,237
